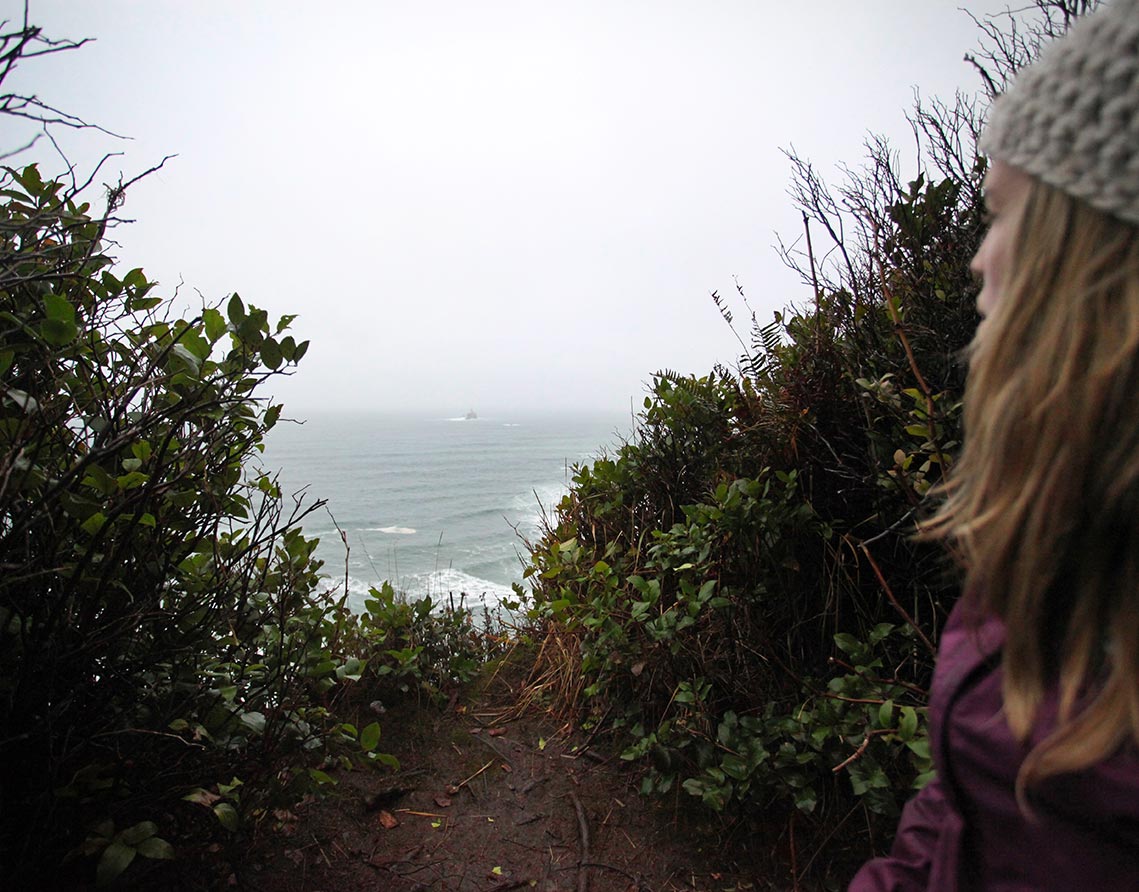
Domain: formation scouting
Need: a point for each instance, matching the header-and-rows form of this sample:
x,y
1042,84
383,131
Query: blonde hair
x,y
1043,503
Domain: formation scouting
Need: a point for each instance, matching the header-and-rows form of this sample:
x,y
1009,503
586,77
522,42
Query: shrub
x,y
155,601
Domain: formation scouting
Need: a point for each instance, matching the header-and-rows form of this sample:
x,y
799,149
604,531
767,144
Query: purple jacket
x,y
964,829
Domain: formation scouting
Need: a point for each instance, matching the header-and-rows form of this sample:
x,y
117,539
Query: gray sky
x,y
492,204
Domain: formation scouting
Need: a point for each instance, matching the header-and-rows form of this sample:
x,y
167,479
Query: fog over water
x,y
508,204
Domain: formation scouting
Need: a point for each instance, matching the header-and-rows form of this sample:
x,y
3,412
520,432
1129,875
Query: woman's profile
x,y
1034,709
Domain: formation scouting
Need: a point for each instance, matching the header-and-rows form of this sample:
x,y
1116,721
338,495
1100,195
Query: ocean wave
x,y
442,586
441,583
394,531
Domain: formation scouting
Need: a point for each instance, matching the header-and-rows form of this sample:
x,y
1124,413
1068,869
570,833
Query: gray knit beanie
x,y
1072,117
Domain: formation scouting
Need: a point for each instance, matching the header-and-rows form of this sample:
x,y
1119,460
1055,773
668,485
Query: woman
x,y
1034,710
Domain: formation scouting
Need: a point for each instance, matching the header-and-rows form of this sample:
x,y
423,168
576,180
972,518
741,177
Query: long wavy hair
x,y
1043,503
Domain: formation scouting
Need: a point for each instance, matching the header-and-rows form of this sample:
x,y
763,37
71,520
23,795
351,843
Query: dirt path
x,y
488,803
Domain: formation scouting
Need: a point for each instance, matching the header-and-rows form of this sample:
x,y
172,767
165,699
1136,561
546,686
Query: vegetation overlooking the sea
x,y
733,599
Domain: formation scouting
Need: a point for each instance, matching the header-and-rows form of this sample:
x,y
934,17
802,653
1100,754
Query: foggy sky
x,y
482,205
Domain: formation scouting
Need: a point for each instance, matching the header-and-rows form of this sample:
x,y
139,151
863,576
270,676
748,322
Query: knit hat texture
x,y
1072,117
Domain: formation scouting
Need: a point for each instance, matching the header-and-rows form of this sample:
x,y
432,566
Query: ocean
x,y
436,505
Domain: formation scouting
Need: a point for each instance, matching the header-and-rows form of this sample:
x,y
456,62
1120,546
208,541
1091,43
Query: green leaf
x,y
156,848
189,361
254,721
132,836
227,815
133,480
370,737
215,324
806,799
847,643
922,779
94,523
320,777
57,332
233,784
909,723
235,310
886,714
270,354
59,308
879,632
116,858
6,357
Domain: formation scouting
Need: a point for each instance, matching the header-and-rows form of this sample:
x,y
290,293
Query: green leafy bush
x,y
163,623
748,612
155,601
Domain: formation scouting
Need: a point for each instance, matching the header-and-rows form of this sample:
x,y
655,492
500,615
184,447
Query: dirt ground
x,y
488,801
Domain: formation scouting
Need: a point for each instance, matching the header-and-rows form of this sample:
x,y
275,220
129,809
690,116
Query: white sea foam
x,y
443,586
392,531
533,510
442,583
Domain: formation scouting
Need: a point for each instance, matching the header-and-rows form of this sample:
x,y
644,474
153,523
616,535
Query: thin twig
x,y
794,854
320,848
857,754
635,878
897,606
462,784
583,830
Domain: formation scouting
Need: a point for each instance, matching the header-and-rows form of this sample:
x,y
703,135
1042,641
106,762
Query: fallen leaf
x,y
388,820
442,801
451,789
496,732
541,743
202,797
506,768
